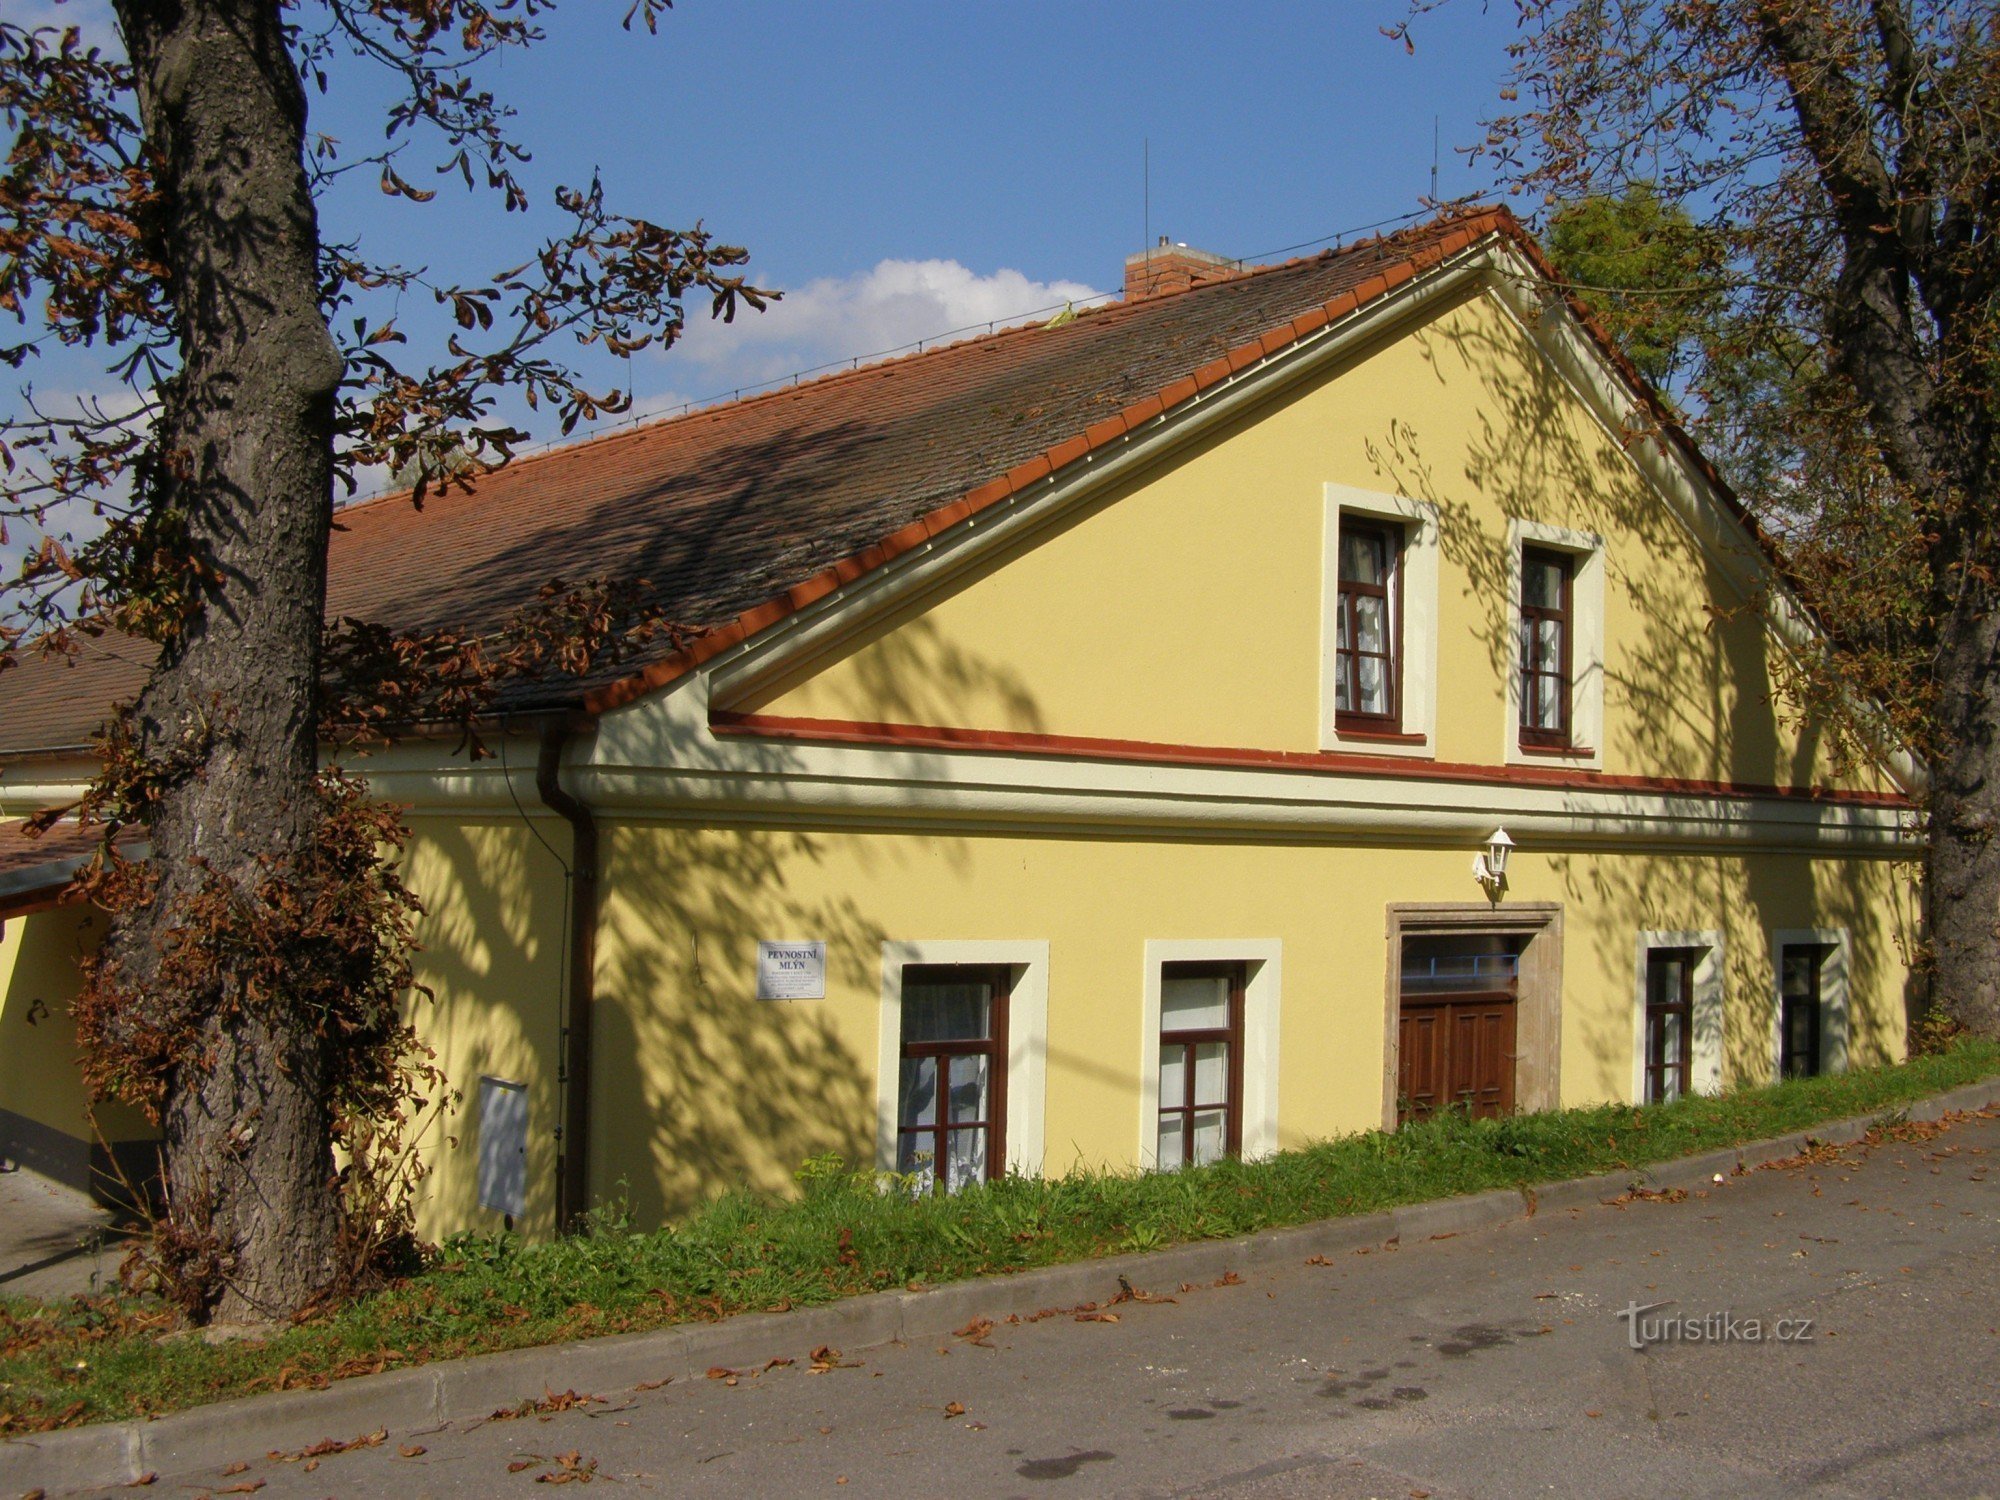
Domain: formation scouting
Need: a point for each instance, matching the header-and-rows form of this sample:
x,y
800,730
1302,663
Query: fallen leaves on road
x,y
571,1468
247,1487
976,1332
1129,1293
412,1450
826,1358
1637,1194
654,1385
729,1377
953,1409
325,1448
551,1403
149,1477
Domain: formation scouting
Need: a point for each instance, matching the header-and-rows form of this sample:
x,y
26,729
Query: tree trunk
x,y
227,722
1962,859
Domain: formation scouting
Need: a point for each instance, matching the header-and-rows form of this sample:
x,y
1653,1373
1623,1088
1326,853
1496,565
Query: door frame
x,y
1538,989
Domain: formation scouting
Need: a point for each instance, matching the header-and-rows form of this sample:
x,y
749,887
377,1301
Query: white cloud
x,y
895,304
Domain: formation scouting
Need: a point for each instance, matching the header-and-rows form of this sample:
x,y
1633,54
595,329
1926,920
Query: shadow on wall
x,y
1686,689
492,956
700,1086
1687,693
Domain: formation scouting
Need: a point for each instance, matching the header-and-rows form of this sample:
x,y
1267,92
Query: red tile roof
x,y
738,515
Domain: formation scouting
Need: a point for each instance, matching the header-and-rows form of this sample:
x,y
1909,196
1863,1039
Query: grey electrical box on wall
x,y
503,1146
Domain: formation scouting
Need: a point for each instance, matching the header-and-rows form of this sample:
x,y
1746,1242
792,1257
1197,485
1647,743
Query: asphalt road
x,y
1488,1364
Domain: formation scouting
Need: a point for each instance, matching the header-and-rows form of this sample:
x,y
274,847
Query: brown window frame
x,y
1532,671
993,1047
1347,660
1657,1065
1188,1039
1820,953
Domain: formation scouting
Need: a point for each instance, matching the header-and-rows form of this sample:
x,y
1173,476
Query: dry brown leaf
x,y
149,1477
522,1463
654,1385
953,1409
239,1467
571,1468
412,1450
247,1487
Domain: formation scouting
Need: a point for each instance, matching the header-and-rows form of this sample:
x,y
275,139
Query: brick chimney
x,y
1168,267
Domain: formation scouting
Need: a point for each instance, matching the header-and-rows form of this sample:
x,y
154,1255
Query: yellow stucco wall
x,y
702,1086
39,1078
492,956
1185,607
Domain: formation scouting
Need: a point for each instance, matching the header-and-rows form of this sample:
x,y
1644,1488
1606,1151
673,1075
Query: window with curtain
x,y
1201,1063
952,1095
1546,630
1368,628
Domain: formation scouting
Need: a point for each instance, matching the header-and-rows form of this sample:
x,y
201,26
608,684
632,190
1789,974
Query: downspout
x,y
573,1154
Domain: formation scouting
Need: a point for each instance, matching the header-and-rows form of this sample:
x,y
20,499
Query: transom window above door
x,y
951,1109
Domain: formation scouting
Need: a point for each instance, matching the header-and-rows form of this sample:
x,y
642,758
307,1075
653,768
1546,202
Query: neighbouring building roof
x,y
34,866
738,514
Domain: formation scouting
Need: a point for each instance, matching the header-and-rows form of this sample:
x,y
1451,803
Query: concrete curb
x,y
407,1401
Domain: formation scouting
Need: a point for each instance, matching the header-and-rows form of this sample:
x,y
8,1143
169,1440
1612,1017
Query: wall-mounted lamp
x,y
1490,868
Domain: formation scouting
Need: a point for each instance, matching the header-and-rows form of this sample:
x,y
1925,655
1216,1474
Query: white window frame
x,y
1263,988
1586,655
1027,1041
1705,1022
1417,646
1835,995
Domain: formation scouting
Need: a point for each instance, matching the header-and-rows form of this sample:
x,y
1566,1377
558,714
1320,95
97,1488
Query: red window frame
x,y
1659,1006
993,1046
1542,678
1188,1040
1348,658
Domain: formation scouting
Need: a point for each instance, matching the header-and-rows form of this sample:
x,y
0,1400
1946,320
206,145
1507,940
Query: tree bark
x,y
1934,436
1962,859
227,721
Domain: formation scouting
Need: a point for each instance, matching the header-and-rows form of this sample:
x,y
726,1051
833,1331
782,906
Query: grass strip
x,y
104,1357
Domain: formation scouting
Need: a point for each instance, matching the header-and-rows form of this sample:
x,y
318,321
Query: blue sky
x,y
902,169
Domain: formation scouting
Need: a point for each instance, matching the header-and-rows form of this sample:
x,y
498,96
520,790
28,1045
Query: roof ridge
x,y
1114,310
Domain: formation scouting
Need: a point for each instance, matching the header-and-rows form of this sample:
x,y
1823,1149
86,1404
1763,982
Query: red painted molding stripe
x,y
1407,768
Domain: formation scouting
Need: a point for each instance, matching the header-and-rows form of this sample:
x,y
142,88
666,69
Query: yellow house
x,y
1283,701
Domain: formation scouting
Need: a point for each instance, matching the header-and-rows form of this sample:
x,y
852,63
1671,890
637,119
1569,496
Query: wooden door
x,y
1456,1028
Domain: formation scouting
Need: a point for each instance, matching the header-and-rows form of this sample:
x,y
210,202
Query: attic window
x,y
1368,628
1378,623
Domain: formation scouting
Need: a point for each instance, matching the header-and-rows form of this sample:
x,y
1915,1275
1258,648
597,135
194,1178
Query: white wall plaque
x,y
791,971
